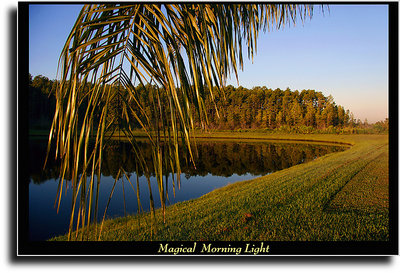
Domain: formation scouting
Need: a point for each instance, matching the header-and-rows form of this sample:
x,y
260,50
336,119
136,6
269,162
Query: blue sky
x,y
343,53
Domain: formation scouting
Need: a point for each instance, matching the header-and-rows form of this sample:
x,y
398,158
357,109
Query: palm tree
x,y
181,50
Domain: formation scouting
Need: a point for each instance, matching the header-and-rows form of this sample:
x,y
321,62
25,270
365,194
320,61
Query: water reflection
x,y
217,164
215,158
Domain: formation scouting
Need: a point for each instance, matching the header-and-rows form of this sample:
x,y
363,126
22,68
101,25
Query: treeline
x,y
276,110
41,102
239,108
262,107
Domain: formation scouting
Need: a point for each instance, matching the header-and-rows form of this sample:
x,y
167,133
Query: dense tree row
x,y
261,107
232,109
41,101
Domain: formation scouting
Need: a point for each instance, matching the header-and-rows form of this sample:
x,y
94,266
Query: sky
x,y
342,52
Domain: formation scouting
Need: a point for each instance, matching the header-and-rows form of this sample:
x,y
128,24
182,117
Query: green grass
x,y
340,196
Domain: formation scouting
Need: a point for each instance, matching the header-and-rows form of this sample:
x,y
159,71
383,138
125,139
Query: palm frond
x,y
182,49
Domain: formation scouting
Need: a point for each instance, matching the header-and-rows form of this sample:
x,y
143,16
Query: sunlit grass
x,y
340,196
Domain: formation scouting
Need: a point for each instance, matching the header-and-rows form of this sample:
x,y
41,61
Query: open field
x,y
340,196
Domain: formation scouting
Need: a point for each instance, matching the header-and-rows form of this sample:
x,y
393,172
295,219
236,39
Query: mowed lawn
x,y
340,196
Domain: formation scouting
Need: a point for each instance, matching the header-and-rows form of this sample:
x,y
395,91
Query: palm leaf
x,y
182,49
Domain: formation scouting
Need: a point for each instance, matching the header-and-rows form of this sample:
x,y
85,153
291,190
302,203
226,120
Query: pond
x,y
218,164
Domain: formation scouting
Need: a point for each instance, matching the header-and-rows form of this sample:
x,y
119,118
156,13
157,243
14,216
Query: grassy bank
x,y
340,196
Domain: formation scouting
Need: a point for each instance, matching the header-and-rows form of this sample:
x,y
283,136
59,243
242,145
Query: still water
x,y
217,164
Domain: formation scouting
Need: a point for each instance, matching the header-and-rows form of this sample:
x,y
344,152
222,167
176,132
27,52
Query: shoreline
x,y
333,172
247,136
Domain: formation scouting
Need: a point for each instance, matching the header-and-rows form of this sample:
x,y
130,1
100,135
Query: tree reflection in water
x,y
217,164
215,158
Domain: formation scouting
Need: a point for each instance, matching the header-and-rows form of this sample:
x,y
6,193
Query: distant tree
x,y
43,84
280,119
352,121
41,102
309,118
296,114
341,116
330,118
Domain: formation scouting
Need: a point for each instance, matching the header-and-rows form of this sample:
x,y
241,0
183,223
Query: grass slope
x,y
340,196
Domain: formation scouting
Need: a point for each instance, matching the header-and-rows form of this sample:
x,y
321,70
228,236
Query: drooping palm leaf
x,y
184,50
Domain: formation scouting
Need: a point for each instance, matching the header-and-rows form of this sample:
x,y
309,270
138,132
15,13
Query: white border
x,y
9,5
